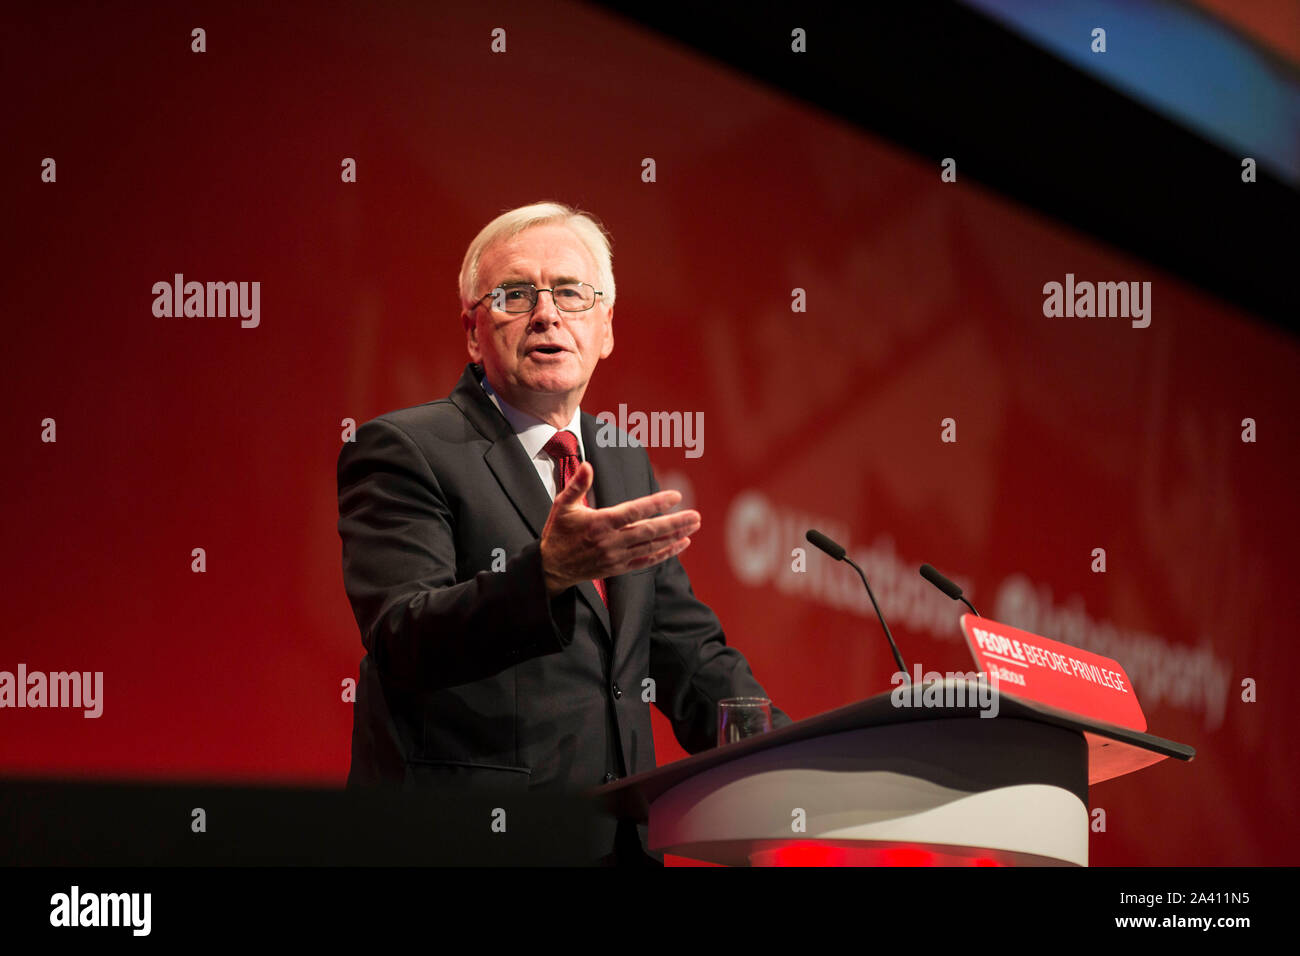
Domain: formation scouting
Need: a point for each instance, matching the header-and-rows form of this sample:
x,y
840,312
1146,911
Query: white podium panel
x,y
939,791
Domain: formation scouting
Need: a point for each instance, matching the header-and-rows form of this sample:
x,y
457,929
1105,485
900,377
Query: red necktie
x,y
563,447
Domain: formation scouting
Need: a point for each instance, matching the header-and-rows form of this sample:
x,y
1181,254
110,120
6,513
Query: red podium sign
x,y
1035,668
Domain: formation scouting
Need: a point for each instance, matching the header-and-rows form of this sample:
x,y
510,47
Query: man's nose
x,y
544,312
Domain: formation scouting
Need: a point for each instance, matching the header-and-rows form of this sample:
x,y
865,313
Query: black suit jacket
x,y
472,673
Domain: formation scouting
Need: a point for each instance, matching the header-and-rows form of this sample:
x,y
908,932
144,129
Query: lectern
x,y
874,783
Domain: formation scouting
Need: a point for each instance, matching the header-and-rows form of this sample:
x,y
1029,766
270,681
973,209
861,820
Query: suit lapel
x,y
515,471
610,489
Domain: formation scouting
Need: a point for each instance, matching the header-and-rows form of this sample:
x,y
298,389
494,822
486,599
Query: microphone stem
x,y
898,658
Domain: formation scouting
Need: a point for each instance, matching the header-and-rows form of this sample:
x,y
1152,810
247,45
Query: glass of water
x,y
740,717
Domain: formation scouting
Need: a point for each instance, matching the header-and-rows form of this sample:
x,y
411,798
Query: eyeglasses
x,y
519,297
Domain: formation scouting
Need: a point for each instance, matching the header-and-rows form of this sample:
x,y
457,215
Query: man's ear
x,y
608,345
471,337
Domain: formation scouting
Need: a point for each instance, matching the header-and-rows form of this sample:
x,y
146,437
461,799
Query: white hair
x,y
509,224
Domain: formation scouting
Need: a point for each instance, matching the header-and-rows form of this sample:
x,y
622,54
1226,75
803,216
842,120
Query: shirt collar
x,y
533,433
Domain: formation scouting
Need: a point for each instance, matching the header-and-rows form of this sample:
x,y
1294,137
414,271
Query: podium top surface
x,y
1112,751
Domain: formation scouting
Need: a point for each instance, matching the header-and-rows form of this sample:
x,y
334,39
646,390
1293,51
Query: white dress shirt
x,y
534,434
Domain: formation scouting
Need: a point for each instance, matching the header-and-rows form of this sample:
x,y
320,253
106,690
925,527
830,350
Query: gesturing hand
x,y
581,543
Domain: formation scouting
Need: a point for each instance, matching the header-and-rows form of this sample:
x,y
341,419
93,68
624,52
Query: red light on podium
x,y
830,853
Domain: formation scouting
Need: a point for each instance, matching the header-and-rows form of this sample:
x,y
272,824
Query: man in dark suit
x,y
516,580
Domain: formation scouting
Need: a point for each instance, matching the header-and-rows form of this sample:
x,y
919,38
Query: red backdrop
x,y
924,303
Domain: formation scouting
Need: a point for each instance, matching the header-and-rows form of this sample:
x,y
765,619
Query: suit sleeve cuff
x,y
547,623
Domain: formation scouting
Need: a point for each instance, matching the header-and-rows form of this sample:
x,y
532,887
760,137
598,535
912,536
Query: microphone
x,y
826,544
949,588
823,543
